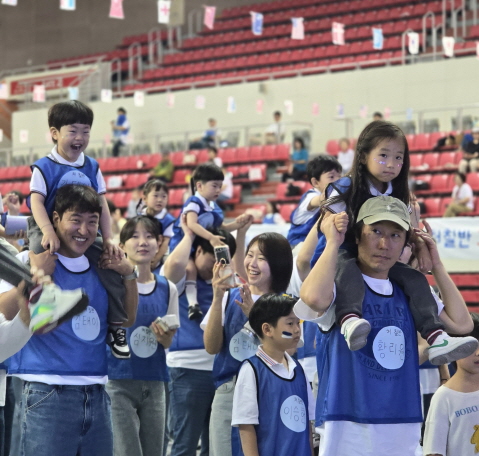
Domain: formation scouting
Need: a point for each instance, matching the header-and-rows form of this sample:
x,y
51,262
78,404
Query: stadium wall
x,y
429,85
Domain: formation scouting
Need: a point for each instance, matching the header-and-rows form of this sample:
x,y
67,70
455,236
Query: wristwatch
x,y
132,276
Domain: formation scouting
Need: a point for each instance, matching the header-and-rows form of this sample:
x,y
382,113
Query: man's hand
x,y
430,244
334,228
44,261
244,221
163,337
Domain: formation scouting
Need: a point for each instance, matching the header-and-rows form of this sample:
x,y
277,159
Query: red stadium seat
x,y
179,177
203,156
282,152
285,210
433,207
175,197
177,158
431,160
227,155
332,147
282,189
449,160
236,198
416,161
473,180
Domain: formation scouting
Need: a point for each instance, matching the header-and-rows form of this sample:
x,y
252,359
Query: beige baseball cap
x,y
381,208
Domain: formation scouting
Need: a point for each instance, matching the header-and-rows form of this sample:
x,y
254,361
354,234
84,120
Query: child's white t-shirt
x,y
38,184
452,424
302,215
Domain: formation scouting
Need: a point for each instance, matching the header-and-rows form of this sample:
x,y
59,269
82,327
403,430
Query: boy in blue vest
x,y
369,398
70,124
65,407
273,403
322,170
202,213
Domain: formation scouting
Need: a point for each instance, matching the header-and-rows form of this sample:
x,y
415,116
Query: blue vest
x,y
57,175
309,334
268,219
148,358
120,120
190,336
166,221
378,384
283,428
207,219
76,347
237,346
298,233
341,185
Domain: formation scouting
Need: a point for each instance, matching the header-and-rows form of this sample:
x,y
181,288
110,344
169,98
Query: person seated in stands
x,y
276,131
210,136
272,215
470,149
378,116
462,197
164,169
345,155
13,202
298,161
213,157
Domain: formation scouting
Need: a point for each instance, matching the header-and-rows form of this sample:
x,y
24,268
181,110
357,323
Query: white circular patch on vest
x,y
243,346
389,347
293,414
143,342
75,177
86,325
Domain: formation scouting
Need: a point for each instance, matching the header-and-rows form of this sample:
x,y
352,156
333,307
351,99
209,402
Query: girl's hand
x,y
246,302
216,241
430,244
421,251
163,337
50,240
334,227
244,221
220,283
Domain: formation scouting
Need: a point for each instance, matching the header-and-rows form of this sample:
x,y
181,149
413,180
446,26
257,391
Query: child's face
x,y
156,201
72,140
469,364
142,247
325,179
210,190
257,268
286,334
343,145
385,161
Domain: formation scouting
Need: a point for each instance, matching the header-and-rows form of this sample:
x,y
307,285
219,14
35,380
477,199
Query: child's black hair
x,y
358,192
462,176
155,185
229,240
274,207
204,173
278,254
300,140
151,225
111,206
19,195
323,164
69,113
77,198
269,308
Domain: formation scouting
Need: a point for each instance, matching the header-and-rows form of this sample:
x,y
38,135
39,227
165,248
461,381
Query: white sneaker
x,y
447,349
355,331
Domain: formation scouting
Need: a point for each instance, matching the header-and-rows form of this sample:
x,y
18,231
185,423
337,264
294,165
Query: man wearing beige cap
x,y
368,398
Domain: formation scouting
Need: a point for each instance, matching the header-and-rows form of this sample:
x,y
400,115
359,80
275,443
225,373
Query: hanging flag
x,y
315,110
387,113
288,106
338,33
164,11
231,105
38,93
3,91
139,98
9,2
256,23
73,93
259,106
477,52
23,136
413,42
363,111
170,100
340,110
209,19
68,5
409,113
106,95
1,135
200,102
448,45
378,39
116,9
297,29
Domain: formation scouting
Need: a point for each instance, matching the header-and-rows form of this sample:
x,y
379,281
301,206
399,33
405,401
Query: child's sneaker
x,y
446,349
356,332
118,344
50,306
194,312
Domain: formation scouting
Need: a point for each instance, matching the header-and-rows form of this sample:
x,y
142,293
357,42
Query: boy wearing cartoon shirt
x,y
65,407
452,424
368,398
